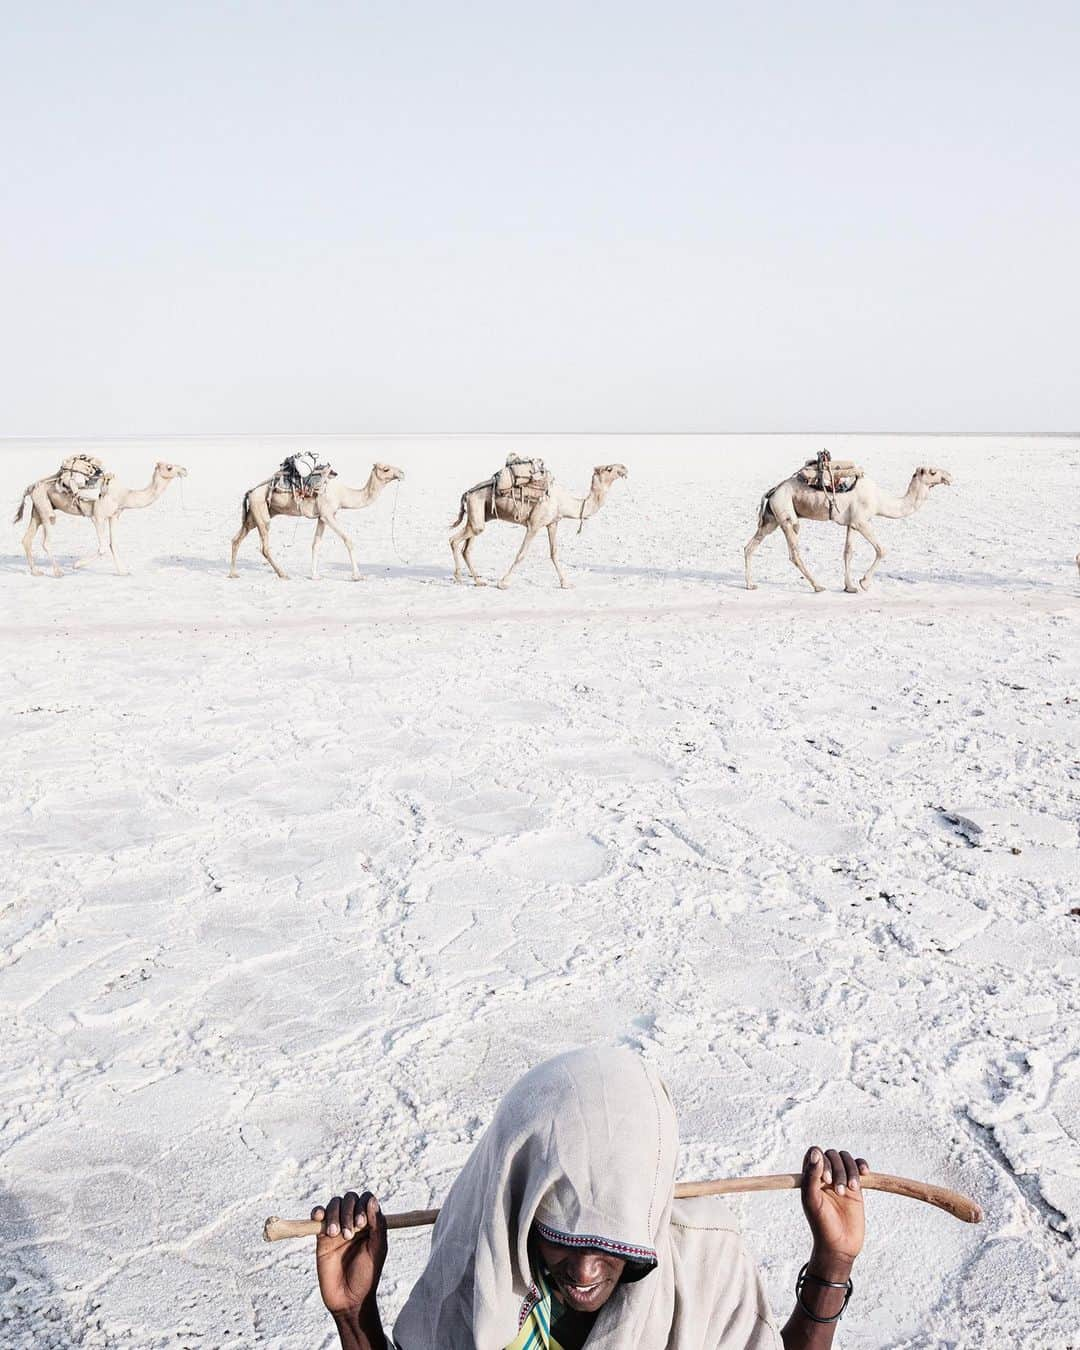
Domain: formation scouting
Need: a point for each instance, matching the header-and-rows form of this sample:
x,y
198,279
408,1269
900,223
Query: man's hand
x,y
350,1256
833,1204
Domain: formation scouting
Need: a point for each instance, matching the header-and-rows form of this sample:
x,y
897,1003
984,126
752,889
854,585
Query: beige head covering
x,y
585,1144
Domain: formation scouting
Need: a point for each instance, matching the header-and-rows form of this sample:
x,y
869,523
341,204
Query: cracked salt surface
x,y
302,875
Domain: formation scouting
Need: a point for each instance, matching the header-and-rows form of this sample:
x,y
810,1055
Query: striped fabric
x,y
540,1311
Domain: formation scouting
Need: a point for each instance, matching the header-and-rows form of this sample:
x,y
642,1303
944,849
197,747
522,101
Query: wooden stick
x,y
952,1202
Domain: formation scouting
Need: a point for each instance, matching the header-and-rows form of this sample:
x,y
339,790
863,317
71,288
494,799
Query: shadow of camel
x,y
33,1312
187,562
257,567
16,562
663,573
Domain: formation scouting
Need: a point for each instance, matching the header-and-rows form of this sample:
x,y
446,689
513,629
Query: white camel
x,y
479,505
261,504
47,497
793,500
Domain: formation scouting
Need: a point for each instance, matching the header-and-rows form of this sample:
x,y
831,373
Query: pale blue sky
x,y
335,217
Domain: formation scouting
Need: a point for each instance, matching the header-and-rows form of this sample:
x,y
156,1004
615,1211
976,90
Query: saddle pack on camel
x,y
302,476
82,477
825,474
526,480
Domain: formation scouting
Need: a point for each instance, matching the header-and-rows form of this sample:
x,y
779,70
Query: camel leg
x,y
553,544
102,543
849,552
264,543
46,544
32,527
461,545
246,527
456,548
868,534
466,553
121,570
764,530
791,534
331,524
530,535
316,542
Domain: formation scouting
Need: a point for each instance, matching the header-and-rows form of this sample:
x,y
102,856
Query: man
x,y
562,1232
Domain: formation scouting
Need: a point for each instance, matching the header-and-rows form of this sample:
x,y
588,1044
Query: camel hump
x,y
302,475
826,474
82,477
526,479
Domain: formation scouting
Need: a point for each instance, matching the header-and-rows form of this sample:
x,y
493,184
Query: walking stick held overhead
x,y
952,1202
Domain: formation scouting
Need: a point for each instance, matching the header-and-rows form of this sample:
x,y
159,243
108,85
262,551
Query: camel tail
x,y
22,505
763,508
461,513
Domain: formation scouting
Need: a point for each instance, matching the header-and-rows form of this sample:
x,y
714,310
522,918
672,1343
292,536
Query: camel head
x,y
606,474
162,469
387,473
933,477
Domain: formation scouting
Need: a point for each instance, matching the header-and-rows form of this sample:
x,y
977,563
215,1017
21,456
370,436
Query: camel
x,y
479,505
261,504
792,501
47,497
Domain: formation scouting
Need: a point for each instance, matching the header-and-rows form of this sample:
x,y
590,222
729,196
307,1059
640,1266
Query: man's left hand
x,y
833,1204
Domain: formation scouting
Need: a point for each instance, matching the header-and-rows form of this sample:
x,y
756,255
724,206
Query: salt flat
x,y
300,876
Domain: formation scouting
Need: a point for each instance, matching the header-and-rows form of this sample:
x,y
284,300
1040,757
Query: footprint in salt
x,y
494,812
610,762
550,857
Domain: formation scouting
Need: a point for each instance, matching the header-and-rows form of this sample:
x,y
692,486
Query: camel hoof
x,y
566,585
852,590
479,582
57,572
865,584
818,590
359,577
504,585
751,585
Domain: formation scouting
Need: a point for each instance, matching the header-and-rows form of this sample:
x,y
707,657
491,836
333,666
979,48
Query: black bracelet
x,y
805,1274
801,1279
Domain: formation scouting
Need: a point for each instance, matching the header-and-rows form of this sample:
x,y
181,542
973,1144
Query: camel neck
x,y
593,502
354,497
895,508
144,496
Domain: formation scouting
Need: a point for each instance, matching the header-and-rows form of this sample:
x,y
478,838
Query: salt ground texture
x,y
300,876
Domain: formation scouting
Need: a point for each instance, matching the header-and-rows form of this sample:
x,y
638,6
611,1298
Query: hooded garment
x,y
585,1145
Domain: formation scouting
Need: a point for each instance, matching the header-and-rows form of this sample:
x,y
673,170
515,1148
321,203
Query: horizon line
x,y
453,435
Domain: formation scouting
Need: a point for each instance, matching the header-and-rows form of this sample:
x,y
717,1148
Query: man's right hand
x,y
350,1255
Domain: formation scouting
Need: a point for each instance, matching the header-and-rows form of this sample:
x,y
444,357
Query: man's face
x,y
583,1278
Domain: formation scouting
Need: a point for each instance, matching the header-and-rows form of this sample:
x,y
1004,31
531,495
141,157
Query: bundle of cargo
x,y
830,475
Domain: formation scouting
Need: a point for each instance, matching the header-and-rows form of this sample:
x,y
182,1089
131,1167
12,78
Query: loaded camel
x,y
263,503
47,496
785,506
481,504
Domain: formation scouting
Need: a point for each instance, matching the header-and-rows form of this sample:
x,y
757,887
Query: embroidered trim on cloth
x,y
536,1324
626,1250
